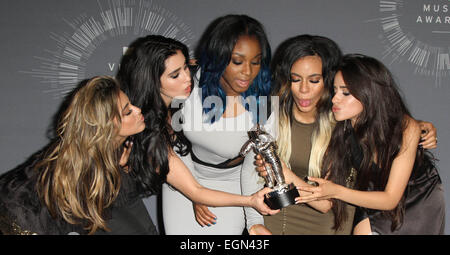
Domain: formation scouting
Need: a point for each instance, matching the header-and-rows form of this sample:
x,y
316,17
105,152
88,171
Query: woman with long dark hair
x,y
153,72
142,69
373,160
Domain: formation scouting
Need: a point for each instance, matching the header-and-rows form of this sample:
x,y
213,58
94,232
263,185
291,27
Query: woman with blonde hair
x,y
73,184
303,69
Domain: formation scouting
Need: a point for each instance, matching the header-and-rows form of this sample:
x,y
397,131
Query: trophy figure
x,y
264,144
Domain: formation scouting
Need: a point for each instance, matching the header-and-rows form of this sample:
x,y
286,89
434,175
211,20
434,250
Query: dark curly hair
x,y
139,76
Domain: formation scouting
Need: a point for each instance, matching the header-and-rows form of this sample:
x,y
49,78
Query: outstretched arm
x,y
381,200
181,178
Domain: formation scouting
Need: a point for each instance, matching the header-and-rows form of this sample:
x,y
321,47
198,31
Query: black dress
x,y
128,215
22,213
423,200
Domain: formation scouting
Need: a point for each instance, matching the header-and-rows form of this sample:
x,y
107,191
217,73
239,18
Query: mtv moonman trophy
x,y
264,144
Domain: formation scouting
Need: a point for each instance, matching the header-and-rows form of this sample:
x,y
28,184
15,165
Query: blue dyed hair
x,y
214,54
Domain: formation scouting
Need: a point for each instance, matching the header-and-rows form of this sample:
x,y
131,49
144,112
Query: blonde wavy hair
x,y
80,174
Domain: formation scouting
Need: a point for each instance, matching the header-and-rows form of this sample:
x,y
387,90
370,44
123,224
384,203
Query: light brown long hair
x,y
284,58
79,176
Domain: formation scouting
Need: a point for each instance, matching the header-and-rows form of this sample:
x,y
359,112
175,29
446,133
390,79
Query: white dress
x,y
213,143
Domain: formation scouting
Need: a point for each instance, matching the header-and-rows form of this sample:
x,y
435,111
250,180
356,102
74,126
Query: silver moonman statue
x,y
264,144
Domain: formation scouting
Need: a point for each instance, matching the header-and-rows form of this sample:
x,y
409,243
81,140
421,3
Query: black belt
x,y
229,163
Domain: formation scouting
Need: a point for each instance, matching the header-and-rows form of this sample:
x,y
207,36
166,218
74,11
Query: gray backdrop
x,y
49,45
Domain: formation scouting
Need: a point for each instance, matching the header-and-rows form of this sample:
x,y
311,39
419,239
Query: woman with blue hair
x,y
153,72
233,83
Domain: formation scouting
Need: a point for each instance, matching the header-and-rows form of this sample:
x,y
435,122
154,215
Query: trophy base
x,y
278,199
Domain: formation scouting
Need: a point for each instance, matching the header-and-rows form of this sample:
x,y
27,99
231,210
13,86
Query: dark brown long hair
x,y
139,76
378,130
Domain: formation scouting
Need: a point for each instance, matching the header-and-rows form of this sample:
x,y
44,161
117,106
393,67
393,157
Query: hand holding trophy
x,y
264,144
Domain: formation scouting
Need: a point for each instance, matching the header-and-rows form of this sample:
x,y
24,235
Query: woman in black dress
x,y
385,172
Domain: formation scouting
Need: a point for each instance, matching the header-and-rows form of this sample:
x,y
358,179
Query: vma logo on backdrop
x,y
417,32
94,43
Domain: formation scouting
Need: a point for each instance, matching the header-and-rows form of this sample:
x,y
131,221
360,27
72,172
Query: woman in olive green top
x,y
304,218
303,69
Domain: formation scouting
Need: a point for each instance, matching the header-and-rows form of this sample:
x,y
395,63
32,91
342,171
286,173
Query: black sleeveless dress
x,y
423,200
22,213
